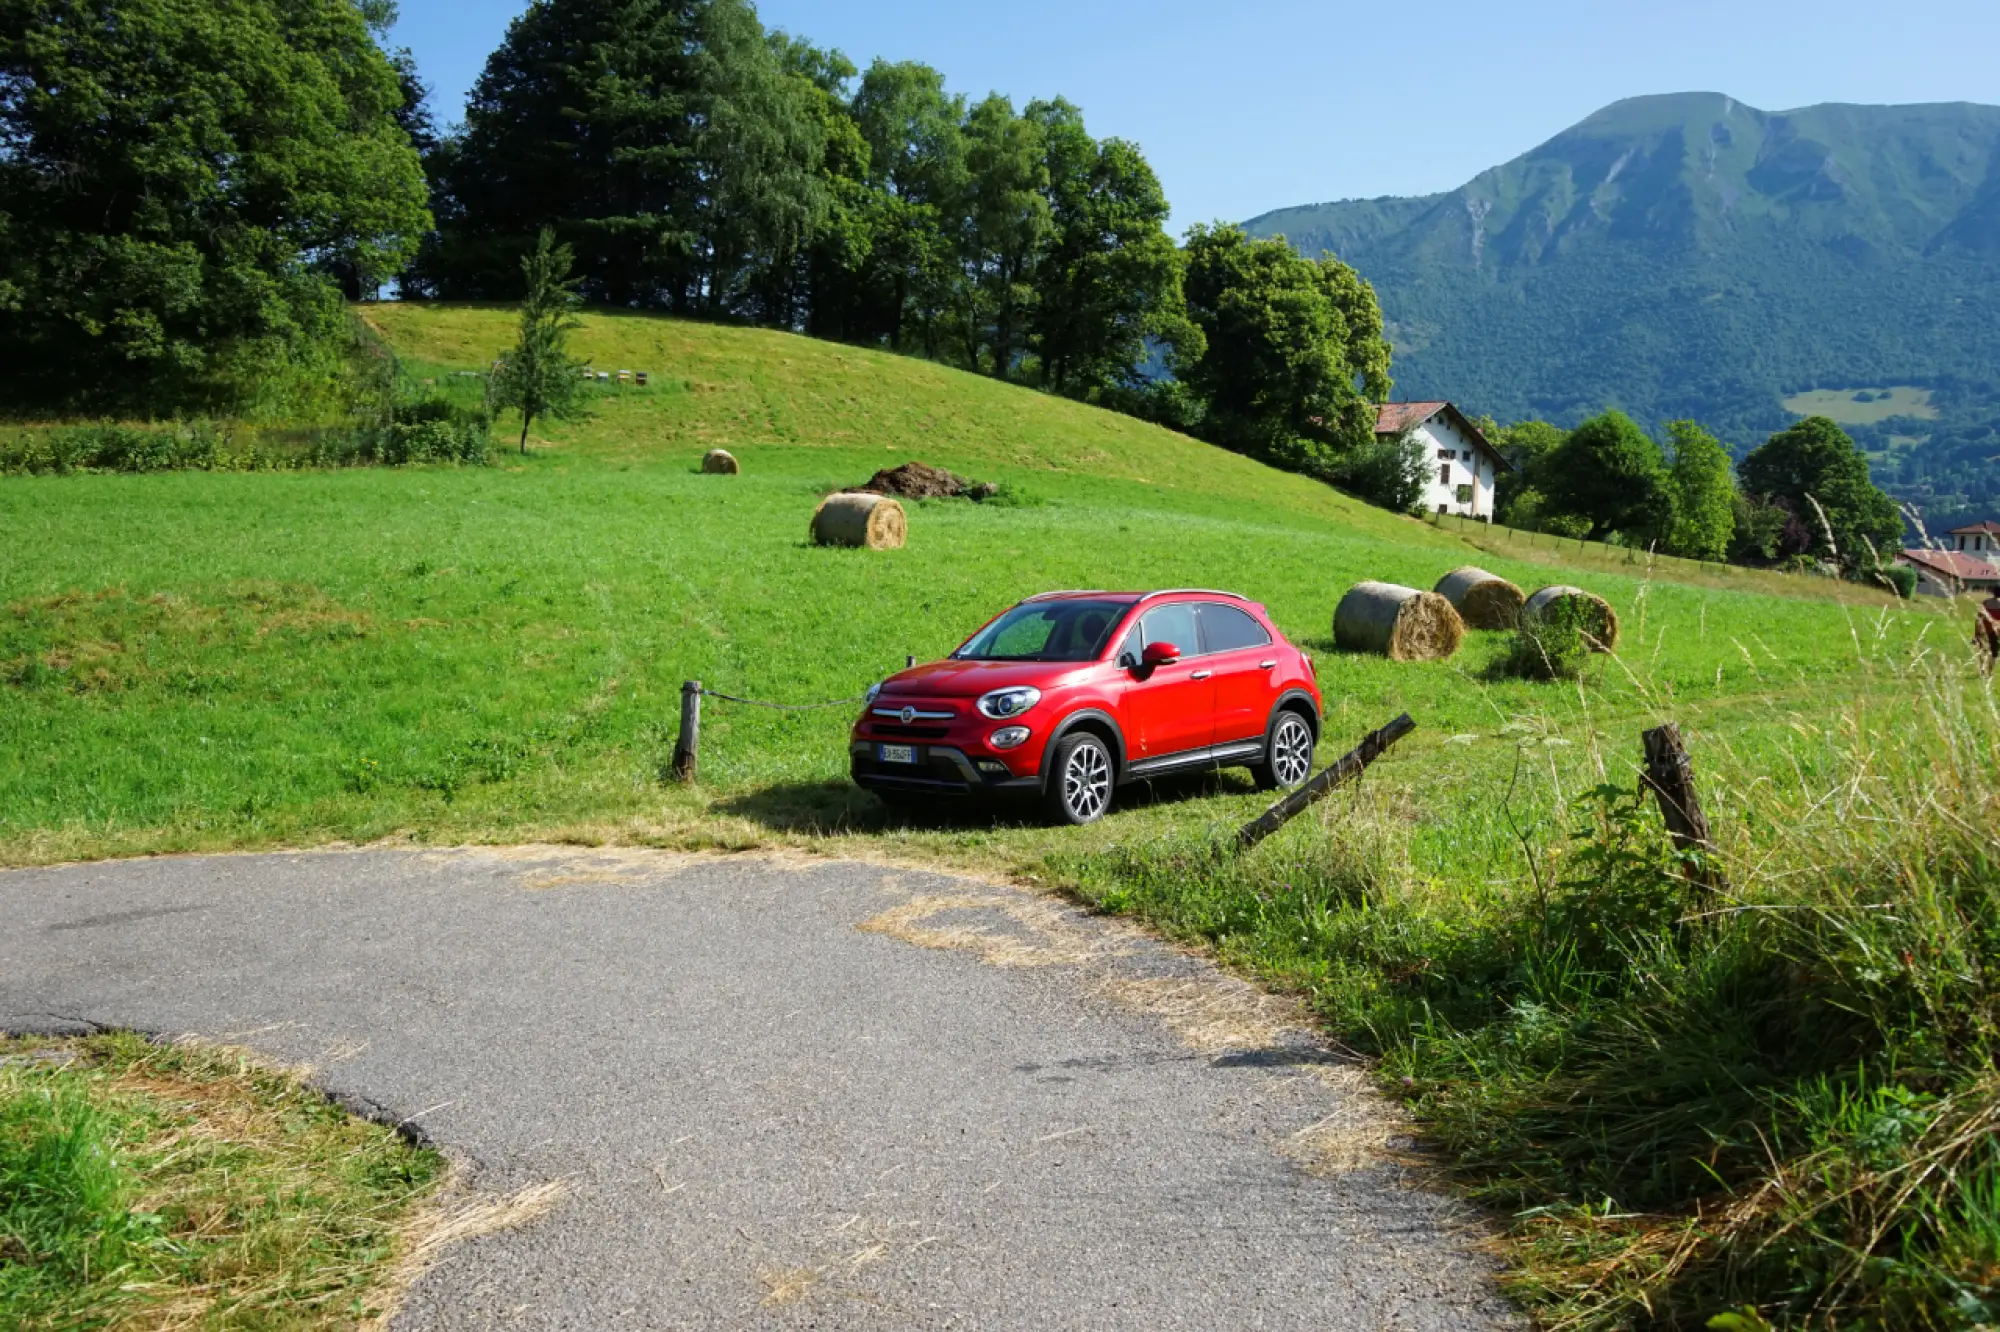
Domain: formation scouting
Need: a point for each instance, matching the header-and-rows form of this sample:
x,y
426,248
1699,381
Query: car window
x,y
1046,631
1171,624
1226,628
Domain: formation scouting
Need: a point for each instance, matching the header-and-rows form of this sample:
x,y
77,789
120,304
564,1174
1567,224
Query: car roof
x,y
1131,597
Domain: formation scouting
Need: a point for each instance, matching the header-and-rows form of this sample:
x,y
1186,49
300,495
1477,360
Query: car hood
x,y
970,679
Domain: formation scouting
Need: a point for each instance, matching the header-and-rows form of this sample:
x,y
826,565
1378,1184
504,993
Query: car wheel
x,y
1080,779
1288,754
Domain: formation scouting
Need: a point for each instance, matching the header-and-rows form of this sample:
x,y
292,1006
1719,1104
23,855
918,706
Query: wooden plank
x,y
1350,766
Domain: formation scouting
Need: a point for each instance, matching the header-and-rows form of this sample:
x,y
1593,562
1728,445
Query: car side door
x,y
1171,708
1244,658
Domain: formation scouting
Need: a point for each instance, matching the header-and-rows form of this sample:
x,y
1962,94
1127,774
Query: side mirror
x,y
1159,654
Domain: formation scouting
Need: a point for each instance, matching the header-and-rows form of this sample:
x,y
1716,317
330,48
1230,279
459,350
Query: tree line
x,y
188,188
1800,499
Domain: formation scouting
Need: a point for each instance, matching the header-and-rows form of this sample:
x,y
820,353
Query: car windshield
x,y
1046,631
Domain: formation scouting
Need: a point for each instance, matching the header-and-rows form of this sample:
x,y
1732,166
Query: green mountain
x,y
1688,255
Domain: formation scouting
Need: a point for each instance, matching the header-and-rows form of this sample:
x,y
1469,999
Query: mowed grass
x,y
179,1185
196,661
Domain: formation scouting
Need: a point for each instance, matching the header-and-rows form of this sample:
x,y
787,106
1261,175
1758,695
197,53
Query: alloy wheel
x,y
1086,782
1291,751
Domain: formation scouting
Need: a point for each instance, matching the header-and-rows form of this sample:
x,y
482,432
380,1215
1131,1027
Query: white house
x,y
1981,541
1463,465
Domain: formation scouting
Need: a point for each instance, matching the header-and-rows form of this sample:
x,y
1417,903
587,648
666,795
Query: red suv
x,y
1070,695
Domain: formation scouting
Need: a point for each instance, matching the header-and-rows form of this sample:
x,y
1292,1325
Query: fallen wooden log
x,y
1350,766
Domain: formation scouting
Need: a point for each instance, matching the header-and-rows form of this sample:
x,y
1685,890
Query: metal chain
x,y
785,707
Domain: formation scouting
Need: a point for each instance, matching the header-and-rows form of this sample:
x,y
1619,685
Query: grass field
x,y
1841,405
193,661
196,660
179,1186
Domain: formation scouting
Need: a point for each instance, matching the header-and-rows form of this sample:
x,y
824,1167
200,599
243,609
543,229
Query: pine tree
x,y
539,377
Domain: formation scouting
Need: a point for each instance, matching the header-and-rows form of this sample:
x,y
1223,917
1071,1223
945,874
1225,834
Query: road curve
x,y
781,1093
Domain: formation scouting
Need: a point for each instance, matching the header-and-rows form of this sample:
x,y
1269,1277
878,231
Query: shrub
x,y
1556,646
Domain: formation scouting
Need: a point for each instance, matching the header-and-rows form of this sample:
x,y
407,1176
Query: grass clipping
x,y
1483,600
850,519
1401,623
1590,613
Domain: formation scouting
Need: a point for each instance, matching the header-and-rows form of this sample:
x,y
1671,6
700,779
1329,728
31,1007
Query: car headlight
x,y
869,697
1004,703
1009,737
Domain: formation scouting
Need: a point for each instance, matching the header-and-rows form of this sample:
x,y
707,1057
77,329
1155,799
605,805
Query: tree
x,y
177,180
1704,494
1292,355
1393,471
1007,224
665,137
1815,461
1609,473
1526,445
1108,289
539,377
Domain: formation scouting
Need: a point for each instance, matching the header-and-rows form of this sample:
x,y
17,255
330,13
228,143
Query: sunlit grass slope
x,y
201,660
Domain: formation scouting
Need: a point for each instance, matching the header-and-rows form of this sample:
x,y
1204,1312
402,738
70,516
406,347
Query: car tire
x,y
1082,779
1288,754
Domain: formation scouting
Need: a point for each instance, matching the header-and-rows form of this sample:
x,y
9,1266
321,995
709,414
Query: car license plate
x,y
896,753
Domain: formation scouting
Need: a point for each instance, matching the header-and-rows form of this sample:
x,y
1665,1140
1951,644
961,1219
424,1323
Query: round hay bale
x,y
1402,623
1595,617
1483,600
720,462
851,519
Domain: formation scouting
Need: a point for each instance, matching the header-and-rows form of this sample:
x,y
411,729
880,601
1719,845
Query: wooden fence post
x,y
1670,776
1347,769
687,748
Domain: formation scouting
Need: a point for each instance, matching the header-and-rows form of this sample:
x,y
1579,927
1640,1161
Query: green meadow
x,y
195,660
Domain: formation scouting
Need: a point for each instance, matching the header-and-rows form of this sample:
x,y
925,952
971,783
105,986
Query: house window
x,y
1444,475
1465,494
1444,455
1444,508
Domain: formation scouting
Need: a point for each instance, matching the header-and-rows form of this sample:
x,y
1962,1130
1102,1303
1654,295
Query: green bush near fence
x,y
426,430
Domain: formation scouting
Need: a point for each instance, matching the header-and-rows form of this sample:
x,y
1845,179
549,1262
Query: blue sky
x,y
1250,106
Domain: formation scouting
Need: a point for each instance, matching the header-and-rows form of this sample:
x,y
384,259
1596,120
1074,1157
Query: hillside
x,y
1688,255
203,659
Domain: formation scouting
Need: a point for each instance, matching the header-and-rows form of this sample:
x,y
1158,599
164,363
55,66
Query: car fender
x,y
1070,723
1287,700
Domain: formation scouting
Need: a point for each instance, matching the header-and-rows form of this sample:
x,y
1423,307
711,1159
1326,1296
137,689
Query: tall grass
x,y
1777,1098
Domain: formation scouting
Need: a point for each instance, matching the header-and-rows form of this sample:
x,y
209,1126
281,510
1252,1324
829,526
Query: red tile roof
x,y
1989,527
1956,563
1393,418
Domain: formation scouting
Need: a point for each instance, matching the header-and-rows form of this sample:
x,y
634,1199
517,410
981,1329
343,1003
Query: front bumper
x,y
939,769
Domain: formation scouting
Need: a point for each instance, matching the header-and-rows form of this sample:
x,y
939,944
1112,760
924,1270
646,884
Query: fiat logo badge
x,y
908,715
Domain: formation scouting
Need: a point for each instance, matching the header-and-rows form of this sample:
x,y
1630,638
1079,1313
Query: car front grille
x,y
902,732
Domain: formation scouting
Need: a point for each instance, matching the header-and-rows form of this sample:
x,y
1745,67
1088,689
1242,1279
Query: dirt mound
x,y
916,480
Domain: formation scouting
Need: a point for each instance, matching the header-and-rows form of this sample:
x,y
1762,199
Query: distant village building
x,y
1463,466
1969,562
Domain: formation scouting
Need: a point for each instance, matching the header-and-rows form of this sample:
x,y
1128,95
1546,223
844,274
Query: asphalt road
x,y
782,1094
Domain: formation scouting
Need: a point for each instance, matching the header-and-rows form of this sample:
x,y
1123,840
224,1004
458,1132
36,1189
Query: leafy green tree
x,y
1108,287
1526,445
1815,461
1757,529
1007,224
1292,354
539,377
665,137
1609,473
177,179
906,270
1393,471
1703,488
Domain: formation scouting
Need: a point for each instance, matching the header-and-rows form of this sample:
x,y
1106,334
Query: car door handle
x,y
1267,665
1200,675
